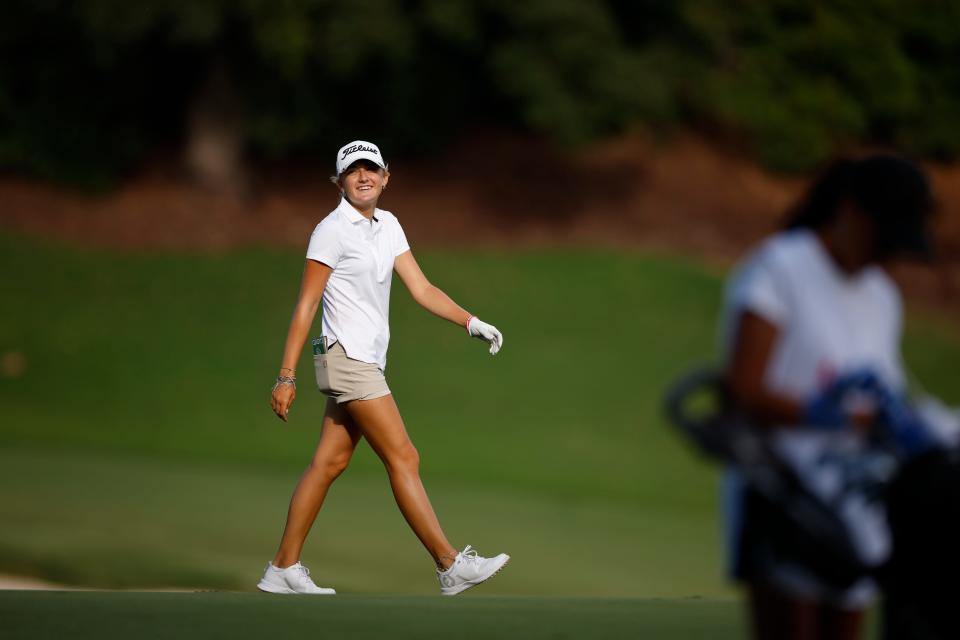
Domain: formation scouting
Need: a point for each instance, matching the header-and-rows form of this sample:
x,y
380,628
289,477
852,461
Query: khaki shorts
x,y
345,379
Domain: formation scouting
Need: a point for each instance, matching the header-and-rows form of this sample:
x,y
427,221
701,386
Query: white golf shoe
x,y
469,570
292,579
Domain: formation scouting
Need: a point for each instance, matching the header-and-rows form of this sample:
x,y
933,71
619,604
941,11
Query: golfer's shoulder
x,y
765,279
785,258
330,224
789,248
775,252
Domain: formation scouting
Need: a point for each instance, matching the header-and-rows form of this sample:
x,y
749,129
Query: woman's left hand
x,y
487,332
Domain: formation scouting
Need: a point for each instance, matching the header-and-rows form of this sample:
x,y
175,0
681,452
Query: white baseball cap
x,y
359,150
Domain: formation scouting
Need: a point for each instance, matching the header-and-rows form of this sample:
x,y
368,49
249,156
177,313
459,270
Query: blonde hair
x,y
335,181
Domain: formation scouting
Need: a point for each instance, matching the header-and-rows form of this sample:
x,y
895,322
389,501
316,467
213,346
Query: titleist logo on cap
x,y
359,150
358,147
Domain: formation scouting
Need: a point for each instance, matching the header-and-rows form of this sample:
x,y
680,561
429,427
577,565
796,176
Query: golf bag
x,y
921,496
796,523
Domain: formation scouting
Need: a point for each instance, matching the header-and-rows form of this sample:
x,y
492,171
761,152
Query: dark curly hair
x,y
890,189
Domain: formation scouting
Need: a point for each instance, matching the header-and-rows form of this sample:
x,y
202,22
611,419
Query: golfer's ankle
x,y
283,561
446,560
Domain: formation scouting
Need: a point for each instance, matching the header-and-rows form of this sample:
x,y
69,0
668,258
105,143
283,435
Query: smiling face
x,y
362,183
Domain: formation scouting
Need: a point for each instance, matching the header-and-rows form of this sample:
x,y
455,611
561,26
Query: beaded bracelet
x,y
285,380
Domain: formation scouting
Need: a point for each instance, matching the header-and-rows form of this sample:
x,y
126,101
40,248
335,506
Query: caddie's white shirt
x,y
830,323
356,301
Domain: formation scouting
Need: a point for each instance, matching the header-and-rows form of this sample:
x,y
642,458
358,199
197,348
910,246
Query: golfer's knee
x,y
330,467
405,458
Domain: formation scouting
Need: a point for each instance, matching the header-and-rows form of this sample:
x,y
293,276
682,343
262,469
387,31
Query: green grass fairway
x,y
100,616
128,522
137,447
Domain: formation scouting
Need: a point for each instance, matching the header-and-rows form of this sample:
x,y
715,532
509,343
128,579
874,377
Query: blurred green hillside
x,y
137,446
89,89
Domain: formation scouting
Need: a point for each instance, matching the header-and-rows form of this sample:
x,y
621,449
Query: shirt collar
x,y
355,216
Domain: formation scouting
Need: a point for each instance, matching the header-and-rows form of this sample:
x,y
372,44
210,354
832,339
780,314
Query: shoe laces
x,y
304,572
469,554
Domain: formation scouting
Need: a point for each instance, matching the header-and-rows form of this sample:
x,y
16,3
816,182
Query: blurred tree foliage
x,y
89,88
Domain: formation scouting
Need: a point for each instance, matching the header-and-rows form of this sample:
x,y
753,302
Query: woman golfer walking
x,y
350,260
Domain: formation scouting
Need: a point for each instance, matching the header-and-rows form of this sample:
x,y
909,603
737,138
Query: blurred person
x,y
812,328
350,259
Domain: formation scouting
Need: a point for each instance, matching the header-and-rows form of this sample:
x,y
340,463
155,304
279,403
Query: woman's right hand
x,y
282,399
830,408
315,276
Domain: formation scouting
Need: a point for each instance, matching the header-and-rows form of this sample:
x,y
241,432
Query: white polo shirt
x,y
356,301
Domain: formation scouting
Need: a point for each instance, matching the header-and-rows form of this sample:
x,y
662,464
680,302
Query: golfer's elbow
x,y
425,294
306,309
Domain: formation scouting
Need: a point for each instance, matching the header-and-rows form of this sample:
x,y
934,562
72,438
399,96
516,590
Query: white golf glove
x,y
487,332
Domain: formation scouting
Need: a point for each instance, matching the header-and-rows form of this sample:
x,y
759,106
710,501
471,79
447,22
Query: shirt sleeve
x,y
400,244
325,245
760,291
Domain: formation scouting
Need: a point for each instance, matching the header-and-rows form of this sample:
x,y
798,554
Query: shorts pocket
x,y
322,366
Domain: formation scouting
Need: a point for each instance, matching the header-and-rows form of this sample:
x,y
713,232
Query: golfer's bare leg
x,y
338,439
380,423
